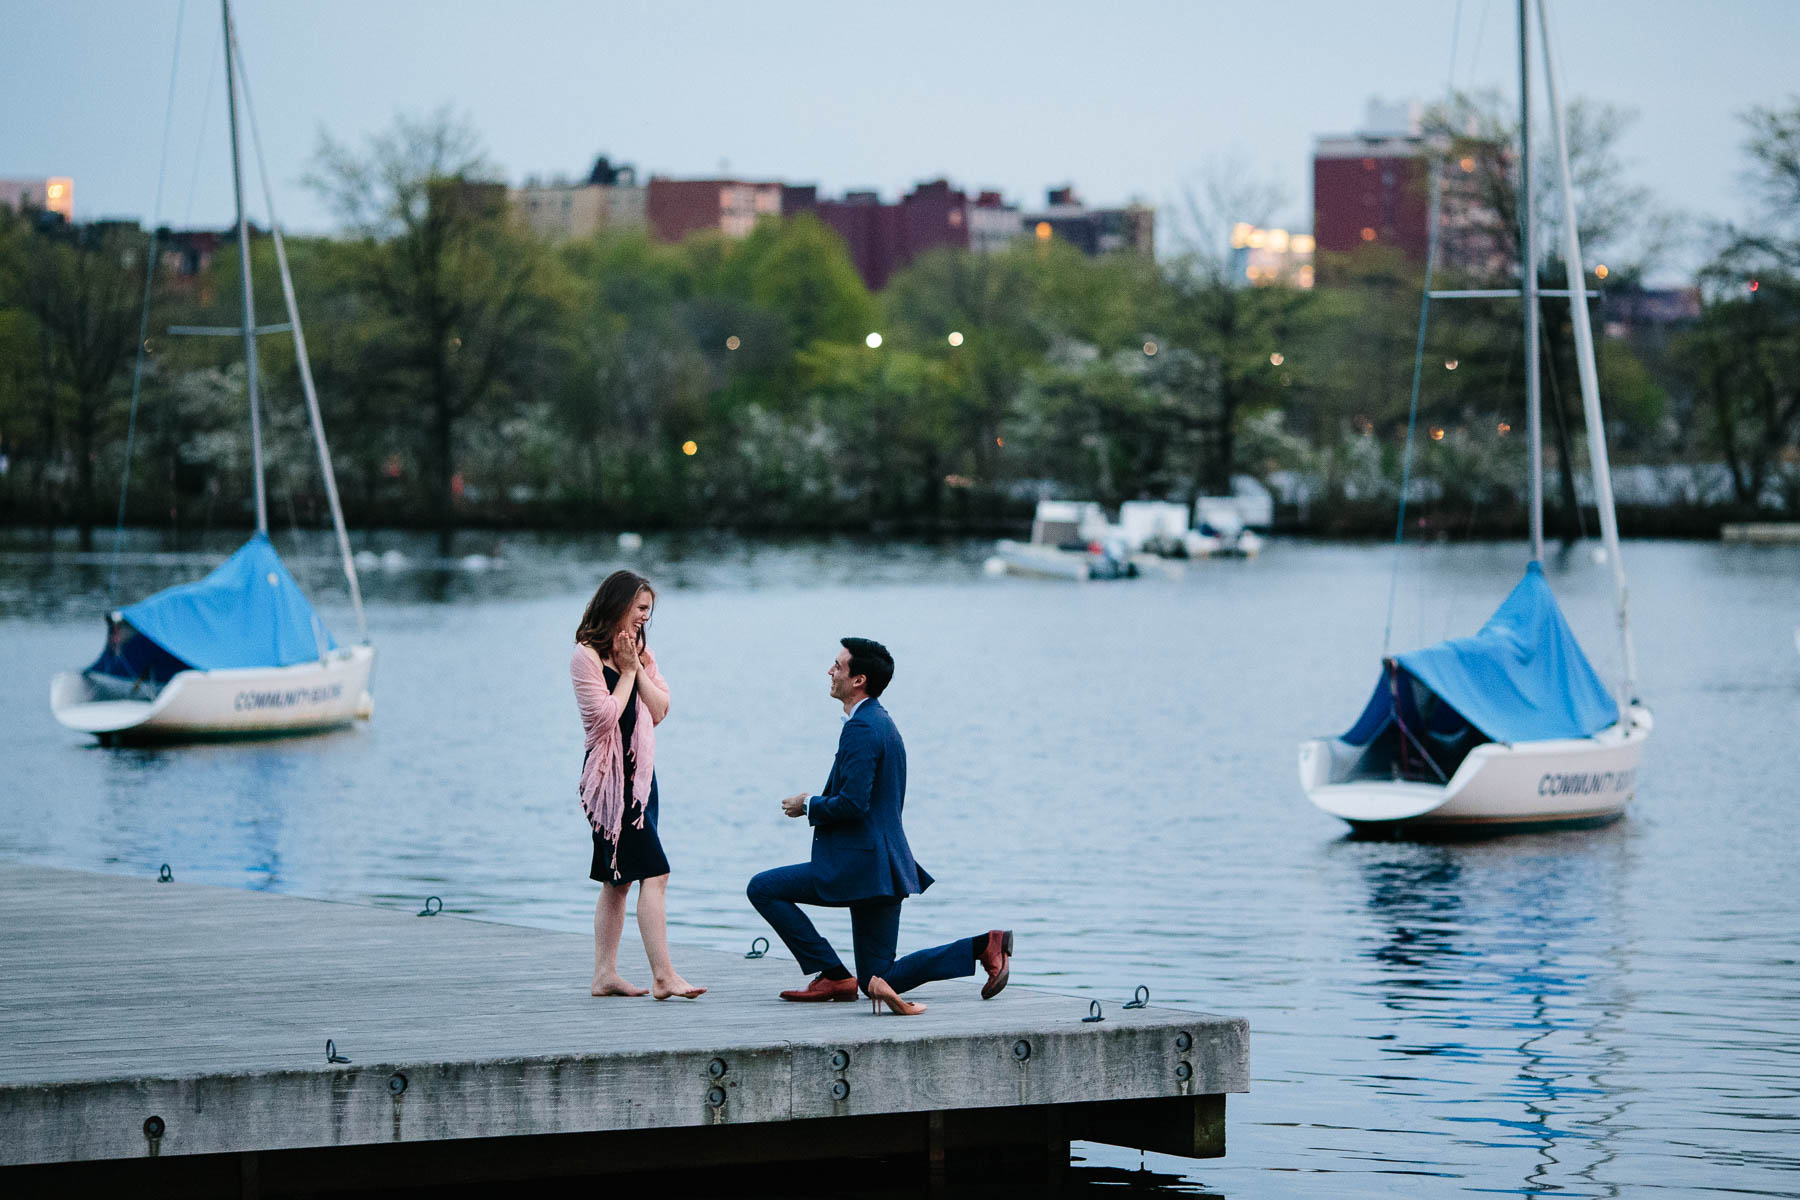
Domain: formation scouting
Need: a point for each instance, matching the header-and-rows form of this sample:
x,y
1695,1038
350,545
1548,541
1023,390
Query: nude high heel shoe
x,y
880,993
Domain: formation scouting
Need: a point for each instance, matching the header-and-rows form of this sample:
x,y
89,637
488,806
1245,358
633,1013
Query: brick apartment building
x,y
883,238
1372,188
678,207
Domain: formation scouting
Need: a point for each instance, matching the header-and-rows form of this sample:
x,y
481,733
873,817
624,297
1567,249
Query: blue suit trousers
x,y
874,928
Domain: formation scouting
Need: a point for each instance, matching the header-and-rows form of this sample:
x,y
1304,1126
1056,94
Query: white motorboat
x,y
1070,539
240,653
1510,728
1162,527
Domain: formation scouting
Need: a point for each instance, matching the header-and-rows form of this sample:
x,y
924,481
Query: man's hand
x,y
795,806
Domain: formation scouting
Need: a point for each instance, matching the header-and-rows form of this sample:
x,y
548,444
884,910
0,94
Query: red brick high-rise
x,y
883,238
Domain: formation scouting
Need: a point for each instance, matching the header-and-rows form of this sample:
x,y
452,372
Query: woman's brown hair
x,y
609,606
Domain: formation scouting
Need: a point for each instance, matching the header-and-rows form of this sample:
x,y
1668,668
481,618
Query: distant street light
x,y
689,448
732,343
955,338
1276,359
872,341
1150,349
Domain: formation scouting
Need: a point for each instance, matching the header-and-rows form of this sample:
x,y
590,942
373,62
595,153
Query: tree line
x,y
472,374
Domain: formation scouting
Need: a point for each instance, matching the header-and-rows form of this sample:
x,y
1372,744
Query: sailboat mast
x,y
305,364
1528,291
1586,369
249,305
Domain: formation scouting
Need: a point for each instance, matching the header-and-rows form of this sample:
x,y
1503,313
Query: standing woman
x,y
622,698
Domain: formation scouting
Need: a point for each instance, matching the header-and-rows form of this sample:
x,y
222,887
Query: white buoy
x,y
367,560
393,560
631,542
475,562
994,565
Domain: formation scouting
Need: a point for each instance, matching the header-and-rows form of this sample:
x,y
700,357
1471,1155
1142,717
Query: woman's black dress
x,y
640,850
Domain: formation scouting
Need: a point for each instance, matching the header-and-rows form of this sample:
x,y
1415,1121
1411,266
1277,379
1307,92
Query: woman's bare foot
x,y
616,987
881,993
675,985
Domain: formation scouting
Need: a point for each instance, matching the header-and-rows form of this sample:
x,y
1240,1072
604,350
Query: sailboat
x,y
240,652
1510,728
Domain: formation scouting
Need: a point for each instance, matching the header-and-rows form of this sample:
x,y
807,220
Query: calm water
x,y
1109,769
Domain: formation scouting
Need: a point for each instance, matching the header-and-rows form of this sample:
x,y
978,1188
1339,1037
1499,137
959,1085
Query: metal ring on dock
x,y
716,1097
1184,1071
164,875
1139,998
755,952
840,1059
1021,1049
153,1127
429,910
397,1084
1093,1013
331,1054
840,1090
717,1068
1184,1040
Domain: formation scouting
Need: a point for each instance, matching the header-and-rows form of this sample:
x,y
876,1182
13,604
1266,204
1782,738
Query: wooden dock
x,y
142,1020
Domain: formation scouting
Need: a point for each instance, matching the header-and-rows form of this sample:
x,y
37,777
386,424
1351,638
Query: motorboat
x,y
1070,539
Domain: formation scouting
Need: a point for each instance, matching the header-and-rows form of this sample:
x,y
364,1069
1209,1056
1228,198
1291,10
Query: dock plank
x,y
126,998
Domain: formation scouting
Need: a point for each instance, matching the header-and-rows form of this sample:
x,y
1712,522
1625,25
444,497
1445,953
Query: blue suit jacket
x,y
859,850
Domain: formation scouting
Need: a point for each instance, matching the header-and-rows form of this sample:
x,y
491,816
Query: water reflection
x,y
1507,957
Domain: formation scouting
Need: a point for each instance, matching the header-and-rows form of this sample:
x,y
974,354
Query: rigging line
x,y
300,355
137,371
1412,412
212,75
1480,28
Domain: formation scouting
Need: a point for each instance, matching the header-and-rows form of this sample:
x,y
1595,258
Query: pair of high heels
x,y
880,993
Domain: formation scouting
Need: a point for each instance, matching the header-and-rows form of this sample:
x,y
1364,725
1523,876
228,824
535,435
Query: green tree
x,y
82,289
463,306
989,302
1744,358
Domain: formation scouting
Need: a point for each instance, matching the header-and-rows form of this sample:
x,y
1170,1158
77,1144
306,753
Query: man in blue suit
x,y
861,860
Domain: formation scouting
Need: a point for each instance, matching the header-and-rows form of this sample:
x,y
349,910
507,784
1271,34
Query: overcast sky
x,y
1124,100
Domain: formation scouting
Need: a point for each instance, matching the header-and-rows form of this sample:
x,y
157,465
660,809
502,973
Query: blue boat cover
x,y
248,613
1522,678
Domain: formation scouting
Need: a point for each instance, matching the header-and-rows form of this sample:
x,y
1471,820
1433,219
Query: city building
x,y
53,195
883,238
1372,188
1268,256
561,210
1093,230
678,207
994,224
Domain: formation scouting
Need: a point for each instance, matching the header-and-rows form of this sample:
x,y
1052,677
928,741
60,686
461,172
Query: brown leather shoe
x,y
822,988
996,957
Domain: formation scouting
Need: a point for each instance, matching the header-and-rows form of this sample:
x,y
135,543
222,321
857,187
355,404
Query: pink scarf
x,y
603,778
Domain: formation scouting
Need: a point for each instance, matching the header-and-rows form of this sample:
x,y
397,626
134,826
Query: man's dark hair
x,y
872,661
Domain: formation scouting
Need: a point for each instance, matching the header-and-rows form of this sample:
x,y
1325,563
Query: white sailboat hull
x,y
1562,782
240,702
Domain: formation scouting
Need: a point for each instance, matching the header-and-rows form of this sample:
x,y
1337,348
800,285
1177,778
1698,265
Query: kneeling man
x,y
861,860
